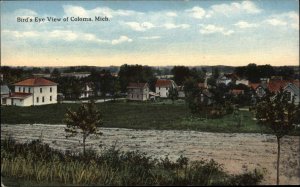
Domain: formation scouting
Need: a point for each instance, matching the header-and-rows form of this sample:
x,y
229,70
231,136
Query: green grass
x,y
136,115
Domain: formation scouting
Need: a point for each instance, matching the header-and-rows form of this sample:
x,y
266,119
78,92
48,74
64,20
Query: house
x,y
45,75
227,78
162,87
223,80
138,91
78,75
164,76
32,92
275,85
293,91
206,97
5,91
259,89
242,81
181,93
87,91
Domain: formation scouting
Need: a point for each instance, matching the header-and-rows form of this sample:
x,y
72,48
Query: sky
x,y
154,33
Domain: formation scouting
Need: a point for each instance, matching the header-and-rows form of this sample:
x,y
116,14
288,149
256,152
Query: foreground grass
x,y
136,115
37,164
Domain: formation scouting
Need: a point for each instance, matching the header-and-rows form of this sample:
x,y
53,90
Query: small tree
x,y
85,120
277,113
173,94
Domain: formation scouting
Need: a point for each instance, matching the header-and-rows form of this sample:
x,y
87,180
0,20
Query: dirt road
x,y
238,152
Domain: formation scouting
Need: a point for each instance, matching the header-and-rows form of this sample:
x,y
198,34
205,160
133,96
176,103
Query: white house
x,y
163,86
293,91
138,91
87,91
242,81
32,92
223,80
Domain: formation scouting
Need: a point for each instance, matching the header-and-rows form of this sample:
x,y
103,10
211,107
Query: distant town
x,y
31,86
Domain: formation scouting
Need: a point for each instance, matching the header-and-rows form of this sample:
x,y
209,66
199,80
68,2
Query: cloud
x,y
173,26
244,25
122,39
139,26
276,22
99,11
18,34
196,12
236,7
24,13
64,35
150,37
290,19
211,29
171,14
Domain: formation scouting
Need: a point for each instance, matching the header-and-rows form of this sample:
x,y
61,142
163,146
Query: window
x,y
41,90
50,98
43,99
50,89
19,89
37,99
29,90
23,89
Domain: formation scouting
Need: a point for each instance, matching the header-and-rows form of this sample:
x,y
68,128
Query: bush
x,y
38,162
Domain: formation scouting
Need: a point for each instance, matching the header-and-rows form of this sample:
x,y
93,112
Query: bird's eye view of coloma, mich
x,y
150,93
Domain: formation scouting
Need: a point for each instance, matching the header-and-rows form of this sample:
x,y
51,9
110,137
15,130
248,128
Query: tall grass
x,y
38,162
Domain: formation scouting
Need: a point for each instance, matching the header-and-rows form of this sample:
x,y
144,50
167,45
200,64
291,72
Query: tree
x,y
85,120
180,74
277,113
172,94
134,73
55,73
115,88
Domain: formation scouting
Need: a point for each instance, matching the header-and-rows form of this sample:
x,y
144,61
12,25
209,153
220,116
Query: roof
x,y
275,85
253,85
163,83
207,93
293,87
137,85
38,81
20,95
4,89
237,91
296,83
202,85
231,76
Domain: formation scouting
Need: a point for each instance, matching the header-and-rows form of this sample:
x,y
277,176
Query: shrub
x,y
38,162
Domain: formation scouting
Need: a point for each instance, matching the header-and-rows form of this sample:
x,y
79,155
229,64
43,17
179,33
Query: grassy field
x,y
135,115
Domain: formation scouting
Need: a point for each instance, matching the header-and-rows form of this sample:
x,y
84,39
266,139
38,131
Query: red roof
x,y
35,82
136,85
253,85
163,83
297,83
275,85
19,95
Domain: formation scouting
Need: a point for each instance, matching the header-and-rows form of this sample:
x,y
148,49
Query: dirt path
x,y
238,152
